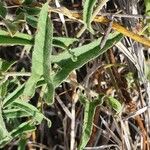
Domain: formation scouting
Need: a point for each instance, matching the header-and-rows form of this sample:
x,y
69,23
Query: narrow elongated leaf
x,y
32,21
15,113
11,27
3,10
89,112
5,140
30,109
8,40
41,41
147,70
63,42
47,62
13,96
3,131
34,11
87,124
22,143
147,12
25,127
17,35
25,39
5,65
17,39
27,2
87,13
3,89
83,55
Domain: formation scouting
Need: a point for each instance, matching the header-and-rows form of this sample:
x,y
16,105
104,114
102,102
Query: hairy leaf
x,y
3,10
114,104
41,41
89,112
83,55
30,109
25,39
3,131
63,42
17,39
13,96
15,113
147,12
87,13
25,127
47,62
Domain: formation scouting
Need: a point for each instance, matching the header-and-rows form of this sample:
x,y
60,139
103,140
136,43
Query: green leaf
x,y
32,21
34,11
147,5
13,96
25,39
27,2
3,10
114,104
147,70
23,128
5,140
11,27
5,65
28,9
3,131
15,113
30,109
41,47
83,54
89,112
47,62
147,12
3,89
22,143
87,13
17,39
63,42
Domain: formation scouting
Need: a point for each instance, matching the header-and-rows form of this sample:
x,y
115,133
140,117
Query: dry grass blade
x,y
125,135
73,120
61,17
103,147
66,110
117,140
138,112
133,58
